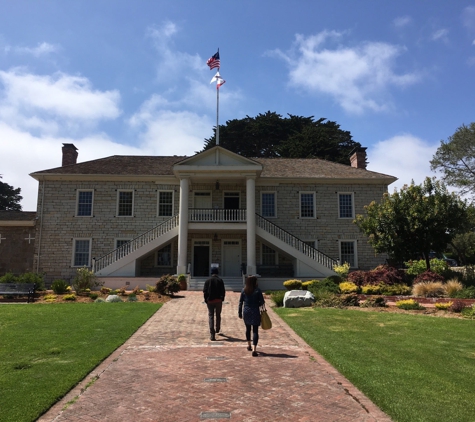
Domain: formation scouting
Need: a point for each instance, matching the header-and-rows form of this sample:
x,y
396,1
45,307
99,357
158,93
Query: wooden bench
x,y
18,289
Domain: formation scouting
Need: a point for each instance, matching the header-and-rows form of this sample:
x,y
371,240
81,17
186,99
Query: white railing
x,y
100,263
212,215
295,242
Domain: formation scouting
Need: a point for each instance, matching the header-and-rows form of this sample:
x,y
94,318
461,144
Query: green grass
x,y
47,349
414,367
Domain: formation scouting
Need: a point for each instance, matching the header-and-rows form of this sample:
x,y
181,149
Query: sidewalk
x,y
169,370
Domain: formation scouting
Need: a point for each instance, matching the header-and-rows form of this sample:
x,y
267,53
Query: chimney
x,y
358,158
70,154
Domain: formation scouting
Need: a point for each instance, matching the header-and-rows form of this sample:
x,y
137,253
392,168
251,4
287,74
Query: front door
x,y
201,255
231,200
232,258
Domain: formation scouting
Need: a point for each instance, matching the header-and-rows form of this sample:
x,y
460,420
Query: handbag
x,y
266,323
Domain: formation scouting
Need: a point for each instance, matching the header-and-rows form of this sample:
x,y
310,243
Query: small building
x,y
144,216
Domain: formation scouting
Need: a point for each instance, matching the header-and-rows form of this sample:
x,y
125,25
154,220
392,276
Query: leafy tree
x,y
414,221
456,159
9,197
270,135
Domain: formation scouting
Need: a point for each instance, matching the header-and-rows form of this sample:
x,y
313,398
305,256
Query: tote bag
x,y
266,323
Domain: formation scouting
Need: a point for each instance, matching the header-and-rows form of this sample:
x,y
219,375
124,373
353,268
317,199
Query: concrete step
x,y
231,284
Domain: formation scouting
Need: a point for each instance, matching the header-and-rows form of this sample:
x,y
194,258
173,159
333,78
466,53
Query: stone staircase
x,y
232,284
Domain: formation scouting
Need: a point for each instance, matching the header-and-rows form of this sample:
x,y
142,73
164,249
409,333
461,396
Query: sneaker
x,y
254,353
249,348
212,338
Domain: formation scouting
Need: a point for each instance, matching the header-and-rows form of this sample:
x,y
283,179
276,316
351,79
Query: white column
x,y
251,224
183,227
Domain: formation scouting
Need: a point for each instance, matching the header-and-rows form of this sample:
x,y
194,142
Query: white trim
x,y
275,203
352,205
314,205
73,264
77,202
158,202
133,202
355,249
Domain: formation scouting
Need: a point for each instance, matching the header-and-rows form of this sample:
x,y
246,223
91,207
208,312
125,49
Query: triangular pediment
x,y
217,159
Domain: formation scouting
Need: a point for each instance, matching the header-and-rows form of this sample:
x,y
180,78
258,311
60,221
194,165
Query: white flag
x,y
218,79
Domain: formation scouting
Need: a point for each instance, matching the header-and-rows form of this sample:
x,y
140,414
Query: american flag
x,y
214,61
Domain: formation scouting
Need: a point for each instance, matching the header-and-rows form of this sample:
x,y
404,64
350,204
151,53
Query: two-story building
x,y
144,216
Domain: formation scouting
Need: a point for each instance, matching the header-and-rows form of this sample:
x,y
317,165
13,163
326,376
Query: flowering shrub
x,y
348,287
371,290
342,270
85,279
293,284
409,304
443,306
71,297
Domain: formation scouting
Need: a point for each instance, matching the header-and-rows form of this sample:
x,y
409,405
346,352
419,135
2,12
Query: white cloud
x,y
41,49
358,77
406,157
468,17
61,95
402,21
440,35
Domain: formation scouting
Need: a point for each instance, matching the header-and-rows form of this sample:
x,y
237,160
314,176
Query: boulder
x,y
298,299
113,298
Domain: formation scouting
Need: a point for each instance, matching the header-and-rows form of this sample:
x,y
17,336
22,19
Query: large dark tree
x,y
9,197
271,135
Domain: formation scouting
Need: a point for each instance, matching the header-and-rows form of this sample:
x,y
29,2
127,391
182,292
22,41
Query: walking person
x,y
214,293
251,299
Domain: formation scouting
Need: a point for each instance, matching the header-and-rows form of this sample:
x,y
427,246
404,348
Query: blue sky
x,y
122,77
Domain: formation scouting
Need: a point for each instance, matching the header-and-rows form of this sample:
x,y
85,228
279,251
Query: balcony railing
x,y
211,215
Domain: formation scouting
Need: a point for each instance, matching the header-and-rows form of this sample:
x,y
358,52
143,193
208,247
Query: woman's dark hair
x,y
251,283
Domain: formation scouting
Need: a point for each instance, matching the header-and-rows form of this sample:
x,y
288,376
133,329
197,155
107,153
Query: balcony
x,y
210,215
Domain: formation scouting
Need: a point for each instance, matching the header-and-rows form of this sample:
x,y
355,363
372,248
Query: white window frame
x,y
275,204
314,204
352,205
276,255
118,202
171,256
312,242
158,202
73,258
355,251
77,202
237,194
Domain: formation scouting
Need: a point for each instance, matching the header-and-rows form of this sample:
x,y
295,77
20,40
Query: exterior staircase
x,y
232,284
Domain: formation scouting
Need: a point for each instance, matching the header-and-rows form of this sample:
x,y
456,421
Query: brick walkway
x,y
170,371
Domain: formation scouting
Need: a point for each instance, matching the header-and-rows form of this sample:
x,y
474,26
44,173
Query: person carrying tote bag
x,y
249,310
266,323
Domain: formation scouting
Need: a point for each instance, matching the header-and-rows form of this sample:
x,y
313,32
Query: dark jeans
x,y
212,309
255,333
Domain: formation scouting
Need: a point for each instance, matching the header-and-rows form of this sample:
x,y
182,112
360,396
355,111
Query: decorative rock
x,y
298,299
113,298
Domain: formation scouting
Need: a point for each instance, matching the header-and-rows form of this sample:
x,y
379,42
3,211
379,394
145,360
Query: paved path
x,y
169,370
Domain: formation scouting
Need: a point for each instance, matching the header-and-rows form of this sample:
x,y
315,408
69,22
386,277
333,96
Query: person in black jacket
x,y
251,299
214,294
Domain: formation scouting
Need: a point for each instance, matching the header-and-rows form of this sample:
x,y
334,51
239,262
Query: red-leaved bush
x,y
381,274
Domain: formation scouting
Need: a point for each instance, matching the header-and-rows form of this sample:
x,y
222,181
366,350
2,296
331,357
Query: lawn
x,y
414,367
47,349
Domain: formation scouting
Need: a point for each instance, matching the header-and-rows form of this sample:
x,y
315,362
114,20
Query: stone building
x,y
17,241
144,216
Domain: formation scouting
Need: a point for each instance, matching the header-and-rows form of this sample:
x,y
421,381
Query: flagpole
x,y
217,114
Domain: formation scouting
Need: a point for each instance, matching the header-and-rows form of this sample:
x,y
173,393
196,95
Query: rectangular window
x,y
307,204
164,256
125,203
348,252
165,203
84,203
312,243
81,252
345,205
268,208
269,256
